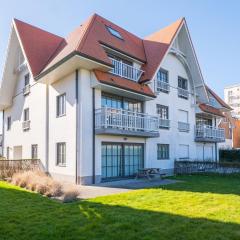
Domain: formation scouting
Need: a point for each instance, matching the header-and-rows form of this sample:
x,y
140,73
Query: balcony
x,y
26,125
26,90
126,71
113,121
205,133
183,127
164,123
163,87
183,93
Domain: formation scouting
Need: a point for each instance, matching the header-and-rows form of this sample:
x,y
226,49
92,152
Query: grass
x,y
200,207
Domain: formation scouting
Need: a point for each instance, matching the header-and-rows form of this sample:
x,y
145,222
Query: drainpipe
x,y
47,129
77,127
93,138
3,134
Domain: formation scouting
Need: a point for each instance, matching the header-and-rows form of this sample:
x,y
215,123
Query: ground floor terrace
x,y
117,157
197,207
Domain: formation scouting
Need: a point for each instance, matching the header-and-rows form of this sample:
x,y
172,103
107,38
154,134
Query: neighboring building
x,y
102,103
228,124
232,98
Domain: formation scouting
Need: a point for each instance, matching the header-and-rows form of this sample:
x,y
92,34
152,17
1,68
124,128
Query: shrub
x,y
70,193
39,182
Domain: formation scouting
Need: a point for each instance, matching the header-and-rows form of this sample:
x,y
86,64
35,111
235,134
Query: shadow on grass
x,y
25,215
207,183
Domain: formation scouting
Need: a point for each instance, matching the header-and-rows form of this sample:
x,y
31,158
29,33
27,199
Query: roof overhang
x,y
68,65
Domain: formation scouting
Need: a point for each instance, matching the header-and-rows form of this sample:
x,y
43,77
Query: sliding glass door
x,y
121,160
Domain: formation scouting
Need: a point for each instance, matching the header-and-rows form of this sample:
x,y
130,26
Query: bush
x,y
70,193
229,155
39,182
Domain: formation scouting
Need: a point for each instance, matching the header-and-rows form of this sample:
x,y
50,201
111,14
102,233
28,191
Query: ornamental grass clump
x,y
39,182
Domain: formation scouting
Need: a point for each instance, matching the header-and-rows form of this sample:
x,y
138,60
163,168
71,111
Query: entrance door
x,y
121,160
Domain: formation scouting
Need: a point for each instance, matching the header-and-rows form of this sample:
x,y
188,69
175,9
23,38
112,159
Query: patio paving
x,y
115,187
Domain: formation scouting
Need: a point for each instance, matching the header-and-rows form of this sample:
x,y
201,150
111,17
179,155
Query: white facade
x,y
83,146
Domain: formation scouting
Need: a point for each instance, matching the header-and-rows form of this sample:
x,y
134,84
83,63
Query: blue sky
x,y
214,26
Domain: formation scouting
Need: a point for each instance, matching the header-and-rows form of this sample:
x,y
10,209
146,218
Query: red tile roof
x,y
45,50
113,80
38,45
210,109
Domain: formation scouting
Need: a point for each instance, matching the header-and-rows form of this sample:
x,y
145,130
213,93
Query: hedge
x,y
231,156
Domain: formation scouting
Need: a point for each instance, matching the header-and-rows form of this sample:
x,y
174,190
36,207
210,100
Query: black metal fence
x,y
190,167
9,167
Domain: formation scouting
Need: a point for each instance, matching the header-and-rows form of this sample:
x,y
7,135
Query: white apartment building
x,y
232,98
102,103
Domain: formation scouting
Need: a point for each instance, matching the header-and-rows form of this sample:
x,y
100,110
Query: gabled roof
x,y
38,45
220,101
156,46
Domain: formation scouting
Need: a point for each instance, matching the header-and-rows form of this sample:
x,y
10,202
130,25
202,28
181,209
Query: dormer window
x,y
114,32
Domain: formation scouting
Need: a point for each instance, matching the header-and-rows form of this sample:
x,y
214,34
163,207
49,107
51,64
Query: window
x,y
163,151
182,83
162,81
112,101
8,152
9,123
162,75
61,105
26,115
26,79
114,32
162,111
61,154
34,151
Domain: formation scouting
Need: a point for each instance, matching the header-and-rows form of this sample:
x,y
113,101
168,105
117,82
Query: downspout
x,y
93,138
47,128
3,133
77,127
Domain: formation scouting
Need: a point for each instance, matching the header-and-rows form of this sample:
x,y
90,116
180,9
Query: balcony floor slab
x,y
122,132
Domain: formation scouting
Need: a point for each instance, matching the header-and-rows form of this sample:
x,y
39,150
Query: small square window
x,y
114,32
163,151
61,105
61,154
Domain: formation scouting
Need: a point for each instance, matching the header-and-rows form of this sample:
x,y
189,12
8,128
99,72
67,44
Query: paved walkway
x,y
104,189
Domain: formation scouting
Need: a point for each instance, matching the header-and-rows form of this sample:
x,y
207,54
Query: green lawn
x,y
201,207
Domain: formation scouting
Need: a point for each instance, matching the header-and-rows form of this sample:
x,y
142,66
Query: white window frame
x,y
61,154
61,105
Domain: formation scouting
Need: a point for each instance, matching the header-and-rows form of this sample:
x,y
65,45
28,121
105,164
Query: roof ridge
x,y
86,30
31,25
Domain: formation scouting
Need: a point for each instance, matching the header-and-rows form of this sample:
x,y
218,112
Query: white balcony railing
x,y
183,93
126,71
163,86
126,120
26,125
183,127
164,123
208,132
26,90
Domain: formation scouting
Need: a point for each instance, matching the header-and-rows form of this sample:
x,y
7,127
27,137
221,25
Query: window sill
x,y
59,116
61,165
163,159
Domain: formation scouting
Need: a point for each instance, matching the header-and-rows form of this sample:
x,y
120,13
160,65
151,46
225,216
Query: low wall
x,y
189,167
9,167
